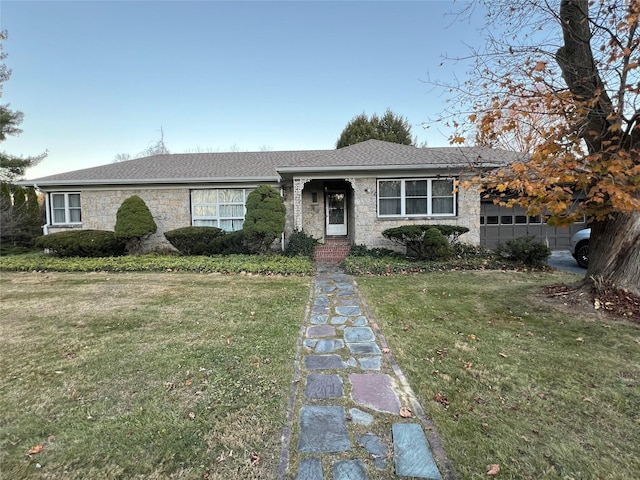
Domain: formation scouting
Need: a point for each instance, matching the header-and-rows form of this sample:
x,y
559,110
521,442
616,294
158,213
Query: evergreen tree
x,y
11,167
265,218
389,128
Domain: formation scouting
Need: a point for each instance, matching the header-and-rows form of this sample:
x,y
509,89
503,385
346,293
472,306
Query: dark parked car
x,y
580,247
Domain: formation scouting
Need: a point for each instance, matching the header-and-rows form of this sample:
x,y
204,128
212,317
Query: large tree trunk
x,y
614,247
614,252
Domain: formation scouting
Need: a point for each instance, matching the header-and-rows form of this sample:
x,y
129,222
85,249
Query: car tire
x,y
582,254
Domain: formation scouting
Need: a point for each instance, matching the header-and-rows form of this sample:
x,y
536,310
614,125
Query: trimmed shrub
x,y
194,240
134,222
300,244
229,244
412,237
452,232
525,250
82,243
265,218
435,246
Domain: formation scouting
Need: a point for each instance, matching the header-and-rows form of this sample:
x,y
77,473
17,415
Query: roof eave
x,y
147,181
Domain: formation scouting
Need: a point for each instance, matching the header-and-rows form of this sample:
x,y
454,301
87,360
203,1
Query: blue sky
x,y
95,79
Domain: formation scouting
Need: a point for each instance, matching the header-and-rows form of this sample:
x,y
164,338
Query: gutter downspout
x,y
45,227
282,234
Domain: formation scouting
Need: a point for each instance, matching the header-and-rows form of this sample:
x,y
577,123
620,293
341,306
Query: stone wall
x,y
368,227
169,207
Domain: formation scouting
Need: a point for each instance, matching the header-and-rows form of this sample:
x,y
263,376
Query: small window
x,y
314,197
65,209
521,219
506,220
492,220
481,219
535,219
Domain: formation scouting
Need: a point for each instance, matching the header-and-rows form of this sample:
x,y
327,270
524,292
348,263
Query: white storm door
x,y
336,212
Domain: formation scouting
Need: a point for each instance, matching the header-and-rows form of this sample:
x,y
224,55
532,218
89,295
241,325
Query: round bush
x,y
82,243
435,245
134,219
194,240
525,250
265,218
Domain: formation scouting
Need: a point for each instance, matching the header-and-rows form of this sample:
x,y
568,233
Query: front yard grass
x,y
510,381
145,375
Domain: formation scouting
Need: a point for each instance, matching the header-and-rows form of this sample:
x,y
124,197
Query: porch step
x,y
334,250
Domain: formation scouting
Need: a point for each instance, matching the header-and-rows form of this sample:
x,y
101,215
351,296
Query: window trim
x,y
67,208
403,198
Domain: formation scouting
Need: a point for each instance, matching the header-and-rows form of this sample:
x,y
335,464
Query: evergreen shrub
x,y
229,244
300,244
134,222
82,243
194,240
265,218
412,237
435,245
525,250
364,251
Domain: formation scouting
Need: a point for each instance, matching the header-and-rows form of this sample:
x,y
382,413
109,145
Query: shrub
x,y
364,251
229,244
412,237
435,245
265,218
82,243
525,250
134,222
300,244
468,251
194,240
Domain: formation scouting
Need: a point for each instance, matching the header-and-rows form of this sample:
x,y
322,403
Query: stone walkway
x,y
345,419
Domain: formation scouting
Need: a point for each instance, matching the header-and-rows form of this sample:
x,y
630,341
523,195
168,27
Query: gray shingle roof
x,y
268,166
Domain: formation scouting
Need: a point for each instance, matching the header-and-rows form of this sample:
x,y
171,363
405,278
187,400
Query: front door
x,y
336,212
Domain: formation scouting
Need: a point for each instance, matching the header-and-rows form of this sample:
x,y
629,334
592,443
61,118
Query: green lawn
x,y
187,375
145,375
542,393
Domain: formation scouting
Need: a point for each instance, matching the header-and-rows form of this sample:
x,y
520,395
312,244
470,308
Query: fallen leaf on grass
x,y
405,412
192,415
188,383
493,469
579,339
441,399
35,449
503,355
255,459
386,350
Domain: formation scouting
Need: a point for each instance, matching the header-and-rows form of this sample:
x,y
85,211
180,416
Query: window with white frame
x,y
220,207
65,208
416,197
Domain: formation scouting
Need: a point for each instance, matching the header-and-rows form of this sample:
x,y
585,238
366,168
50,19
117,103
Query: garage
x,y
499,224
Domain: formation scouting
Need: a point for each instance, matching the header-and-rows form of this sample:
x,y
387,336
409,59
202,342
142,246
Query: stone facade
x,y
365,228
304,201
169,207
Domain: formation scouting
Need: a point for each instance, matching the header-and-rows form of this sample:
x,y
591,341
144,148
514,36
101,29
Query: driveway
x,y
562,260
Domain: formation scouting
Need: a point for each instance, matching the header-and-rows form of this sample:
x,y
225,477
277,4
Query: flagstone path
x,y
344,411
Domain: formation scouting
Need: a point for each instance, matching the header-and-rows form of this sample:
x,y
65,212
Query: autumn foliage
x,y
561,83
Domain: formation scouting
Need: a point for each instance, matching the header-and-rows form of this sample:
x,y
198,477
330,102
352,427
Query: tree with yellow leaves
x,y
561,80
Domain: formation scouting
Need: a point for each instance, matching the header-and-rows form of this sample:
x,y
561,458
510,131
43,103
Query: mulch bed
x,y
610,302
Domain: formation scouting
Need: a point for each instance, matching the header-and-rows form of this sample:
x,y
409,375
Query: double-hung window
x,y
416,197
65,209
220,207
